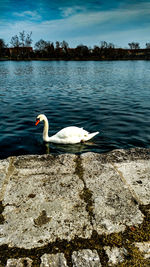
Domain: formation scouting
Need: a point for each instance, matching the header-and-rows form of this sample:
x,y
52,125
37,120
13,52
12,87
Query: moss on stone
x,y
86,193
134,258
2,220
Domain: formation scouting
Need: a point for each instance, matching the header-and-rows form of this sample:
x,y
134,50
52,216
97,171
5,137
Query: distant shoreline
x,y
73,59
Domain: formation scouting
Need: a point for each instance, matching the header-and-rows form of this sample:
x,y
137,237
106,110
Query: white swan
x,y
68,135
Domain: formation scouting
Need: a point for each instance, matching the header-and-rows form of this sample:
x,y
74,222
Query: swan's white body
x,y
68,135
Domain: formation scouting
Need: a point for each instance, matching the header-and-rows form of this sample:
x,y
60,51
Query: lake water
x,y
112,97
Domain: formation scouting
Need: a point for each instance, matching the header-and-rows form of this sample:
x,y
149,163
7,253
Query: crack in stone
x,y
86,194
2,219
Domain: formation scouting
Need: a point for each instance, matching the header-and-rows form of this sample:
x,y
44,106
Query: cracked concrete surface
x,y
70,208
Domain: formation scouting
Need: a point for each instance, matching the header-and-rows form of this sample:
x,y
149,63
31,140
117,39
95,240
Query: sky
x,y
77,22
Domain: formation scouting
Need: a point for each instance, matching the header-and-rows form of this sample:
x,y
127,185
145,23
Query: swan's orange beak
x,y
37,122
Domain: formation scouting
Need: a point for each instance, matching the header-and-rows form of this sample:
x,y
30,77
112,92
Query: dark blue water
x,y
112,97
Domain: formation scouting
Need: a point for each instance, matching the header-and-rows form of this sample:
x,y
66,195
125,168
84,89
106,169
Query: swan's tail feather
x,y
90,136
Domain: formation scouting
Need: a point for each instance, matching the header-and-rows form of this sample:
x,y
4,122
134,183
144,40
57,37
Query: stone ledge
x,y
68,203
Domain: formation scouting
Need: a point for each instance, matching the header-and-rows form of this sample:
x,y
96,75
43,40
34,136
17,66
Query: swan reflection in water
x,y
70,149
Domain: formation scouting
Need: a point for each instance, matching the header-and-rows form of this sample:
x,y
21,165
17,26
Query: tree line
x,y
21,48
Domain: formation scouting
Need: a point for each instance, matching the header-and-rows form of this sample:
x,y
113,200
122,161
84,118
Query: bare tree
x,y
2,47
57,44
64,46
22,38
28,40
111,46
147,45
15,41
134,45
2,44
41,45
21,41
103,44
50,49
20,45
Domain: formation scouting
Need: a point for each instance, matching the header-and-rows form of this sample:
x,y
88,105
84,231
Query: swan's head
x,y
40,118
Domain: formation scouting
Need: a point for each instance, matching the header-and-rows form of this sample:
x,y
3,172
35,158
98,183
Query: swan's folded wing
x,y
71,131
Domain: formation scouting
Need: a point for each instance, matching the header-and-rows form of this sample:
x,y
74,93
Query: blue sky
x,y
77,21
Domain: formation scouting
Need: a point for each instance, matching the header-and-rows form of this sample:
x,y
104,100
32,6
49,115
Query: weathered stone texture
x,y
4,165
115,255
42,202
22,262
113,203
53,260
137,176
85,258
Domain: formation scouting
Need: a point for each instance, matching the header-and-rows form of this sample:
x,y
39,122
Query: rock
x,y
85,258
22,262
125,155
115,255
4,165
137,176
53,260
112,202
144,247
42,202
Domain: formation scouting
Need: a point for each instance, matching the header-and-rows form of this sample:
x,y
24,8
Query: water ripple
x,y
109,97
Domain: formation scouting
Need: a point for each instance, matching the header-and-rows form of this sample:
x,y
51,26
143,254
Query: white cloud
x,y
66,11
74,28
28,14
69,11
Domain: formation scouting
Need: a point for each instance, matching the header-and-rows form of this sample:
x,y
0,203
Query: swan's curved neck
x,y
45,130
